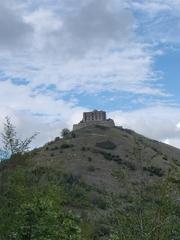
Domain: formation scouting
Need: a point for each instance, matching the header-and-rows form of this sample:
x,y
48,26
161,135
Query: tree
x,y
153,212
36,212
65,132
40,220
11,144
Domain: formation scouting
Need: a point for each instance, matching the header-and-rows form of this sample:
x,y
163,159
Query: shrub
x,y
154,171
125,135
130,165
118,160
54,148
91,168
72,179
176,162
107,156
101,127
66,145
129,131
83,149
57,139
65,132
73,135
100,202
176,181
101,230
165,158
11,144
90,159
106,145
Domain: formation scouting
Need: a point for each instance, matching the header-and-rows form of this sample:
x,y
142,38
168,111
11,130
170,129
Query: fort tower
x,y
94,118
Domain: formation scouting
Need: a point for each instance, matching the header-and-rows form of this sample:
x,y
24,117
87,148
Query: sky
x,y
59,58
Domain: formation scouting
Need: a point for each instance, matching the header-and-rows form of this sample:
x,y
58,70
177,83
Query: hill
x,y
103,183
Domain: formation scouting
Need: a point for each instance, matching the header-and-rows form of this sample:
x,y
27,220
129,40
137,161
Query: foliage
x,y
83,149
73,135
110,157
34,213
66,145
91,168
154,171
158,219
57,139
32,207
40,220
106,145
101,127
11,143
100,202
40,200
65,132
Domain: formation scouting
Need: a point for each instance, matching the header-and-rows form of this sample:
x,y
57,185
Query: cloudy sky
x,y
59,58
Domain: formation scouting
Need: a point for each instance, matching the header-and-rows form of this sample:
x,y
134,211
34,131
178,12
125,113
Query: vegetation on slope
x,y
97,184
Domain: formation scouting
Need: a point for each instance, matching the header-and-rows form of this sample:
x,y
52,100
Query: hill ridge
x,y
109,177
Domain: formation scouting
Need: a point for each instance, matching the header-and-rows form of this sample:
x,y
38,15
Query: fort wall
x,y
107,123
94,118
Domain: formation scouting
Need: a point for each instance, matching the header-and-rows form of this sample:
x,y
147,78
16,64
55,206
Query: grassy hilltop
x,y
95,183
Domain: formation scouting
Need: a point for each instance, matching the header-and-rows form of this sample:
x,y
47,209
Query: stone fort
x,y
94,118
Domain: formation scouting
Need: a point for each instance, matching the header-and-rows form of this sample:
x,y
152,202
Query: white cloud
x,y
90,47
178,126
159,20
14,32
96,26
152,7
158,122
173,142
39,113
85,47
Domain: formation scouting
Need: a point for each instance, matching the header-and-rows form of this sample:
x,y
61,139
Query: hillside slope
x,y
110,157
110,178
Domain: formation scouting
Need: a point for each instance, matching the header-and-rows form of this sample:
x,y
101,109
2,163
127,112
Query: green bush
x,y
129,165
66,145
100,202
57,139
91,168
106,145
54,148
101,127
107,156
83,149
117,159
31,210
65,132
101,230
73,135
154,171
72,179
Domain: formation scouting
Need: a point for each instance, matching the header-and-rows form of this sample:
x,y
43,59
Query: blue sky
x,y
169,64
60,58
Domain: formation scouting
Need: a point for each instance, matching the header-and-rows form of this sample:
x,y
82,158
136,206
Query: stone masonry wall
x,y
106,123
